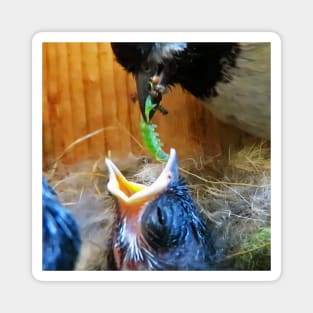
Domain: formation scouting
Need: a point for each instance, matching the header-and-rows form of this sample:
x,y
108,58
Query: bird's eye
x,y
161,217
147,67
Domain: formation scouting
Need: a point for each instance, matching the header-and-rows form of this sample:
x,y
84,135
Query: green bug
x,y
149,135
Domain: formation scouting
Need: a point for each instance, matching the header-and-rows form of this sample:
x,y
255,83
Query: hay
x,y
233,194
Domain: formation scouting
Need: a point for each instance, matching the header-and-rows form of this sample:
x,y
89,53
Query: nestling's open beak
x,y
132,196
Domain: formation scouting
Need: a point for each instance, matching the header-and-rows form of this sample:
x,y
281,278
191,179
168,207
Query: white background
x,y
20,21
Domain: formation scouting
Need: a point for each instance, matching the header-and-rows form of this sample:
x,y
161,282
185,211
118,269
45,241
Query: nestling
x,y
61,240
158,226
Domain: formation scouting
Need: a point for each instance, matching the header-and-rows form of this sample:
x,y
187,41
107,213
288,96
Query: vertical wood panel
x,y
186,128
64,101
79,113
109,115
47,142
92,90
209,135
53,99
121,96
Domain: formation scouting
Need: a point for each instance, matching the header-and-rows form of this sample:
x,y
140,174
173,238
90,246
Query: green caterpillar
x,y
149,135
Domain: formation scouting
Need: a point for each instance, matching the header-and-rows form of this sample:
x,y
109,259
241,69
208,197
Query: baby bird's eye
x,y
161,217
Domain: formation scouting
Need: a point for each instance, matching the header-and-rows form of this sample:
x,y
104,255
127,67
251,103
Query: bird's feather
x,y
60,233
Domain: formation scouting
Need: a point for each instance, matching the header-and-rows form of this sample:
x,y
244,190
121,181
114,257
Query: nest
x,y
233,194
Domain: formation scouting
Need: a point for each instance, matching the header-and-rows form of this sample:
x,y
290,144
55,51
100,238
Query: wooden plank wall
x,y
85,90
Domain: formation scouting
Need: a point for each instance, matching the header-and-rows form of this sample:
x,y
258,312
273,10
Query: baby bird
x,y
61,240
158,226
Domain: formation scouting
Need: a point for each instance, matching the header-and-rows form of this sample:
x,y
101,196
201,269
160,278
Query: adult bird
x,y
232,79
159,227
61,240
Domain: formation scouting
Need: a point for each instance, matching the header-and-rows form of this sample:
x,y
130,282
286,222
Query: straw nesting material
x,y
233,194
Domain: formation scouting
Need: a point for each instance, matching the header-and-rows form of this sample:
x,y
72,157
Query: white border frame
x,y
276,164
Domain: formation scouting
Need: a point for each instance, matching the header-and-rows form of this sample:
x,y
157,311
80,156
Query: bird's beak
x,y
143,90
142,82
132,196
